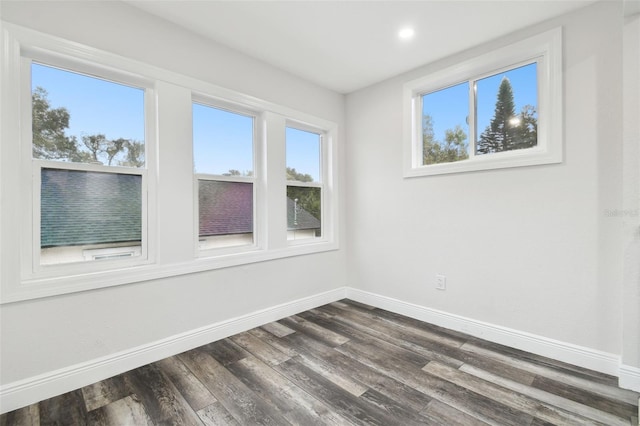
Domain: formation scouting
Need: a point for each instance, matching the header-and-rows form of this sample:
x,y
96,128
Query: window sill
x,y
37,288
528,157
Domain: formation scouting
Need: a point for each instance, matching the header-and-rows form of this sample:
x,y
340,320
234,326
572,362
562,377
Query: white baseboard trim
x,y
629,378
28,391
561,351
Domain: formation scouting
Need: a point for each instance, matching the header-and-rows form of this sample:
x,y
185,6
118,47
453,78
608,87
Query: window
x,y
88,156
503,109
304,184
223,146
99,188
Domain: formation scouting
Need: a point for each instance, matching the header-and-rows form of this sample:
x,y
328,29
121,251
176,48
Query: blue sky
x,y
95,106
450,107
222,139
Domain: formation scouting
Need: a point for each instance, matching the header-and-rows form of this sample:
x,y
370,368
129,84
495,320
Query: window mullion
x,y
472,118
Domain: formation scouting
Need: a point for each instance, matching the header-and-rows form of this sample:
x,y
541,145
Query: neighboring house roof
x,y
300,219
79,207
227,208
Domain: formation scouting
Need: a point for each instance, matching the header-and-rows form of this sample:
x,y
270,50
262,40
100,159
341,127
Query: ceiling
x,y
348,45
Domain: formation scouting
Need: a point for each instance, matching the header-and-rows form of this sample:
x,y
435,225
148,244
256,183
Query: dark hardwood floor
x,y
345,364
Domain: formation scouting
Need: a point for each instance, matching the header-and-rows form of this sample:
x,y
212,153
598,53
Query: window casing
x,y
466,148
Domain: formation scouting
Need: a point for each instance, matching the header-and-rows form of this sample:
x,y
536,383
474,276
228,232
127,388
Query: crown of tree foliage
x,y
50,141
508,131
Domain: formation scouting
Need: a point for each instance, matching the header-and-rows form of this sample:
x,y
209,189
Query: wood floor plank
x,y
296,405
243,404
468,401
192,390
508,397
259,349
548,398
444,414
26,416
347,405
607,391
347,367
225,351
322,334
127,411
65,409
162,401
277,329
216,415
617,408
104,392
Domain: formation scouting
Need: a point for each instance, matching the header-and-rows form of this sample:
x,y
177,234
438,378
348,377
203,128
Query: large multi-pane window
x,y
99,188
304,184
88,150
502,109
223,147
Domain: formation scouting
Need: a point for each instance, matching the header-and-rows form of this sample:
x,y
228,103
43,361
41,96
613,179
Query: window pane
x,y
83,119
89,215
222,142
445,127
226,213
507,110
304,206
303,155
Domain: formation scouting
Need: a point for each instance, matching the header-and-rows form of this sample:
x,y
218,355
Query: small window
x,y
304,184
88,152
223,145
499,110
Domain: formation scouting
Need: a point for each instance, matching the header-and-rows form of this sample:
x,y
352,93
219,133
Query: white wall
x,y
529,248
44,335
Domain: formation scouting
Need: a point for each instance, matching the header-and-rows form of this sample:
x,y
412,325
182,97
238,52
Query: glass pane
x,y
222,142
303,155
83,119
89,215
445,128
507,110
304,206
226,213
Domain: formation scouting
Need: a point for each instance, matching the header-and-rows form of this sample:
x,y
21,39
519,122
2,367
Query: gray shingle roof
x,y
225,207
79,207
302,220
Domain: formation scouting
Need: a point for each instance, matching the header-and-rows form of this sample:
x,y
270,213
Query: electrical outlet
x,y
441,282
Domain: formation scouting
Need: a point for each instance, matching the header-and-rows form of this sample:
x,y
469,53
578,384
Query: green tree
x,y
453,148
508,131
292,174
50,141
49,125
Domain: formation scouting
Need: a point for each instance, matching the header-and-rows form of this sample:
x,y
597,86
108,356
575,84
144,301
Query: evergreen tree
x,y
501,133
508,131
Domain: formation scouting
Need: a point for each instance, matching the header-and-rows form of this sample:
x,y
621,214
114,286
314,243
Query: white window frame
x,y
255,115
320,184
17,279
545,50
32,268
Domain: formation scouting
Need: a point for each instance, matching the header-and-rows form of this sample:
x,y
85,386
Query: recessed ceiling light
x,y
406,33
